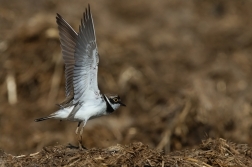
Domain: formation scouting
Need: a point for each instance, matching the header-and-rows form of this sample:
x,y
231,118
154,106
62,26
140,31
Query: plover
x,y
84,101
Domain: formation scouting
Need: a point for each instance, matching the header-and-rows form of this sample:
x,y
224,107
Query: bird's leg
x,y
77,129
81,131
79,139
81,147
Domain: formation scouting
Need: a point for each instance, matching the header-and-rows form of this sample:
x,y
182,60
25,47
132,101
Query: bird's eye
x,y
115,99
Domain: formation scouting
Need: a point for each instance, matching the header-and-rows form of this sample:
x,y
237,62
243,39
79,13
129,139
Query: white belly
x,y
88,111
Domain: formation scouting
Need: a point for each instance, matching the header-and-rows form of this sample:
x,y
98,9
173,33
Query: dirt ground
x,y
183,68
209,153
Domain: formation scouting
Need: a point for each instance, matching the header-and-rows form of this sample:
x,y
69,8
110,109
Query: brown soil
x,y
209,153
182,68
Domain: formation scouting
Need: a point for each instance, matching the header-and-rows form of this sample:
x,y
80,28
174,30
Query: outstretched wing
x,y
68,39
86,61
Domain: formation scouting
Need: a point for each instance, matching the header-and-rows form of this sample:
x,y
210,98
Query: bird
x,y
83,101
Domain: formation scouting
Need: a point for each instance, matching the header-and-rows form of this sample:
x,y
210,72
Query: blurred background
x,y
183,68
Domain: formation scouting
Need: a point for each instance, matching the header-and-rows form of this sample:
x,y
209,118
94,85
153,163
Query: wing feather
x,y
68,39
86,61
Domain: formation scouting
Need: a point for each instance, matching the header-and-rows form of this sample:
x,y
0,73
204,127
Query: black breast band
x,y
109,107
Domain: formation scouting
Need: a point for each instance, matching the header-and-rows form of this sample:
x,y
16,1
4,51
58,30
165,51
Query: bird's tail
x,y
41,119
60,114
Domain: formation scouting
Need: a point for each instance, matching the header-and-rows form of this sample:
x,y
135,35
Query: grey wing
x,y
68,39
86,61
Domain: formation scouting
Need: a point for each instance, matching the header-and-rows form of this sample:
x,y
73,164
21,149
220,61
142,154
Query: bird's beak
x,y
122,104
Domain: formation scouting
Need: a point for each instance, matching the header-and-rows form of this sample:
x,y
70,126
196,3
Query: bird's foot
x,y
72,146
80,147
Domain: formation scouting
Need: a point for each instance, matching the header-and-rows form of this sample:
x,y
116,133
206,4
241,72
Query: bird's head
x,y
114,101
